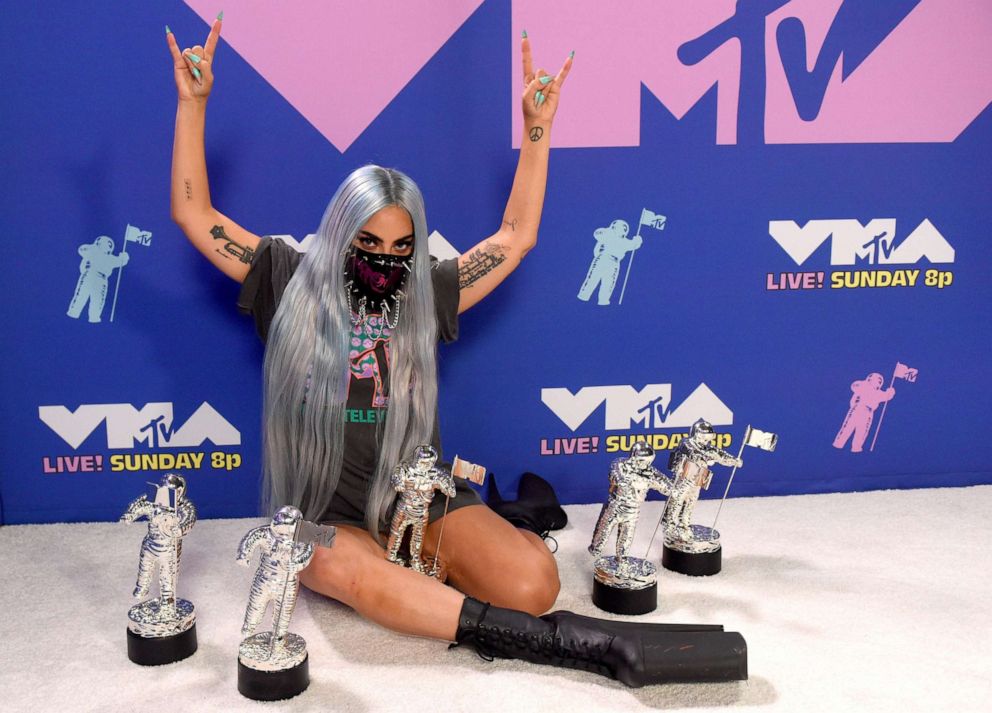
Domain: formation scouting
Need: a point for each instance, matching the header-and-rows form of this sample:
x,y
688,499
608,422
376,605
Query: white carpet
x,y
854,602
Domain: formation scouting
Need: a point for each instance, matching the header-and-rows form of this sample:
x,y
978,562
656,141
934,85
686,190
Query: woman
x,y
365,298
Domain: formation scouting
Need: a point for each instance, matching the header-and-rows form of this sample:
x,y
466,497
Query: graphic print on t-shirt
x,y
369,357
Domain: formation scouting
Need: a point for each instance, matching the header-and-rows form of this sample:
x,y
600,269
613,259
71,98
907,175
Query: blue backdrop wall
x,y
810,181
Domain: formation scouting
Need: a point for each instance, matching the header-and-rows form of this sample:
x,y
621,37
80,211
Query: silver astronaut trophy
x,y
162,629
415,481
623,584
273,665
692,549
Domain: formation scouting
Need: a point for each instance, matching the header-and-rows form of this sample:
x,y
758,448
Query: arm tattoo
x,y
536,133
480,263
511,223
189,189
231,248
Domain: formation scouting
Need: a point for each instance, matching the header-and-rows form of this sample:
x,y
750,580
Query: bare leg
x,y
488,558
355,571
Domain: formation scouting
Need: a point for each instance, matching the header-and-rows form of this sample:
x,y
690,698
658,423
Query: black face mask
x,y
374,277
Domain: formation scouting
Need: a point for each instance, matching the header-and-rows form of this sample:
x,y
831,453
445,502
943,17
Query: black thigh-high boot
x,y
634,653
536,508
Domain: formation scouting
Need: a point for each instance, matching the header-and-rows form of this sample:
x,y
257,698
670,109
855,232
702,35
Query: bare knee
x,y
533,588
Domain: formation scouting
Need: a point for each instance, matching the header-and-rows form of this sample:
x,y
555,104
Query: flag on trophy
x,y
756,438
310,532
654,220
904,372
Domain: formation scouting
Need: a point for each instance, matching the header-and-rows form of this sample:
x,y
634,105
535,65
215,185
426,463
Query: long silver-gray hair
x,y
307,367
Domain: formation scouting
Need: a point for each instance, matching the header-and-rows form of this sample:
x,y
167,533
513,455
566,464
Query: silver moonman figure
x,y
415,482
690,465
623,584
276,582
630,480
156,622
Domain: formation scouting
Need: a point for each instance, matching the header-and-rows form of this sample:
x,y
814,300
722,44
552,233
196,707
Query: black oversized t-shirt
x,y
271,270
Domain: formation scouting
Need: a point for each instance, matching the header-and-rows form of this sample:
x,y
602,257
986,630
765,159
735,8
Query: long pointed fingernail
x,y
196,72
220,15
571,54
167,30
546,79
194,58
523,35
539,99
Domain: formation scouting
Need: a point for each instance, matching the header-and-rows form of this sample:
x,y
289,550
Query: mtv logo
x,y
151,424
851,242
625,406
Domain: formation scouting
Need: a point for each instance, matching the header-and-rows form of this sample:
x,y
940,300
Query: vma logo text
x,y
151,426
873,244
627,408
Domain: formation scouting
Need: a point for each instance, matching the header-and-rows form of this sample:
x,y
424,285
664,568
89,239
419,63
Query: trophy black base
x,y
273,685
158,650
624,601
694,564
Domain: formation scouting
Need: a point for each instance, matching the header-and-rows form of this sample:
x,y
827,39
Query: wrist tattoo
x,y
230,248
480,263
189,189
536,133
511,223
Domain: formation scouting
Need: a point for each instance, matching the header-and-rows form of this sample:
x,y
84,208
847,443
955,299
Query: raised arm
x,y
225,243
488,263
252,539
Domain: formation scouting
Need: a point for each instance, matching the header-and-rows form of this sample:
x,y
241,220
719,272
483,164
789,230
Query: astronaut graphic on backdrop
x,y
866,396
95,269
97,265
612,244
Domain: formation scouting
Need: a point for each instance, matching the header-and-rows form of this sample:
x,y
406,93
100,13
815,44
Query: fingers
x,y
174,49
555,86
211,44
528,62
192,64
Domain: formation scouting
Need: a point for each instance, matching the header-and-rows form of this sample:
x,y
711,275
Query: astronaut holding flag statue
x,y
695,549
612,244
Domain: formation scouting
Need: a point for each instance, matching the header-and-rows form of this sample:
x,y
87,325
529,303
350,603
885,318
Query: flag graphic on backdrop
x,y
132,234
900,372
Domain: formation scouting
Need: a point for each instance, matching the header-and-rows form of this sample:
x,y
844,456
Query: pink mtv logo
x,y
339,63
922,70
923,73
